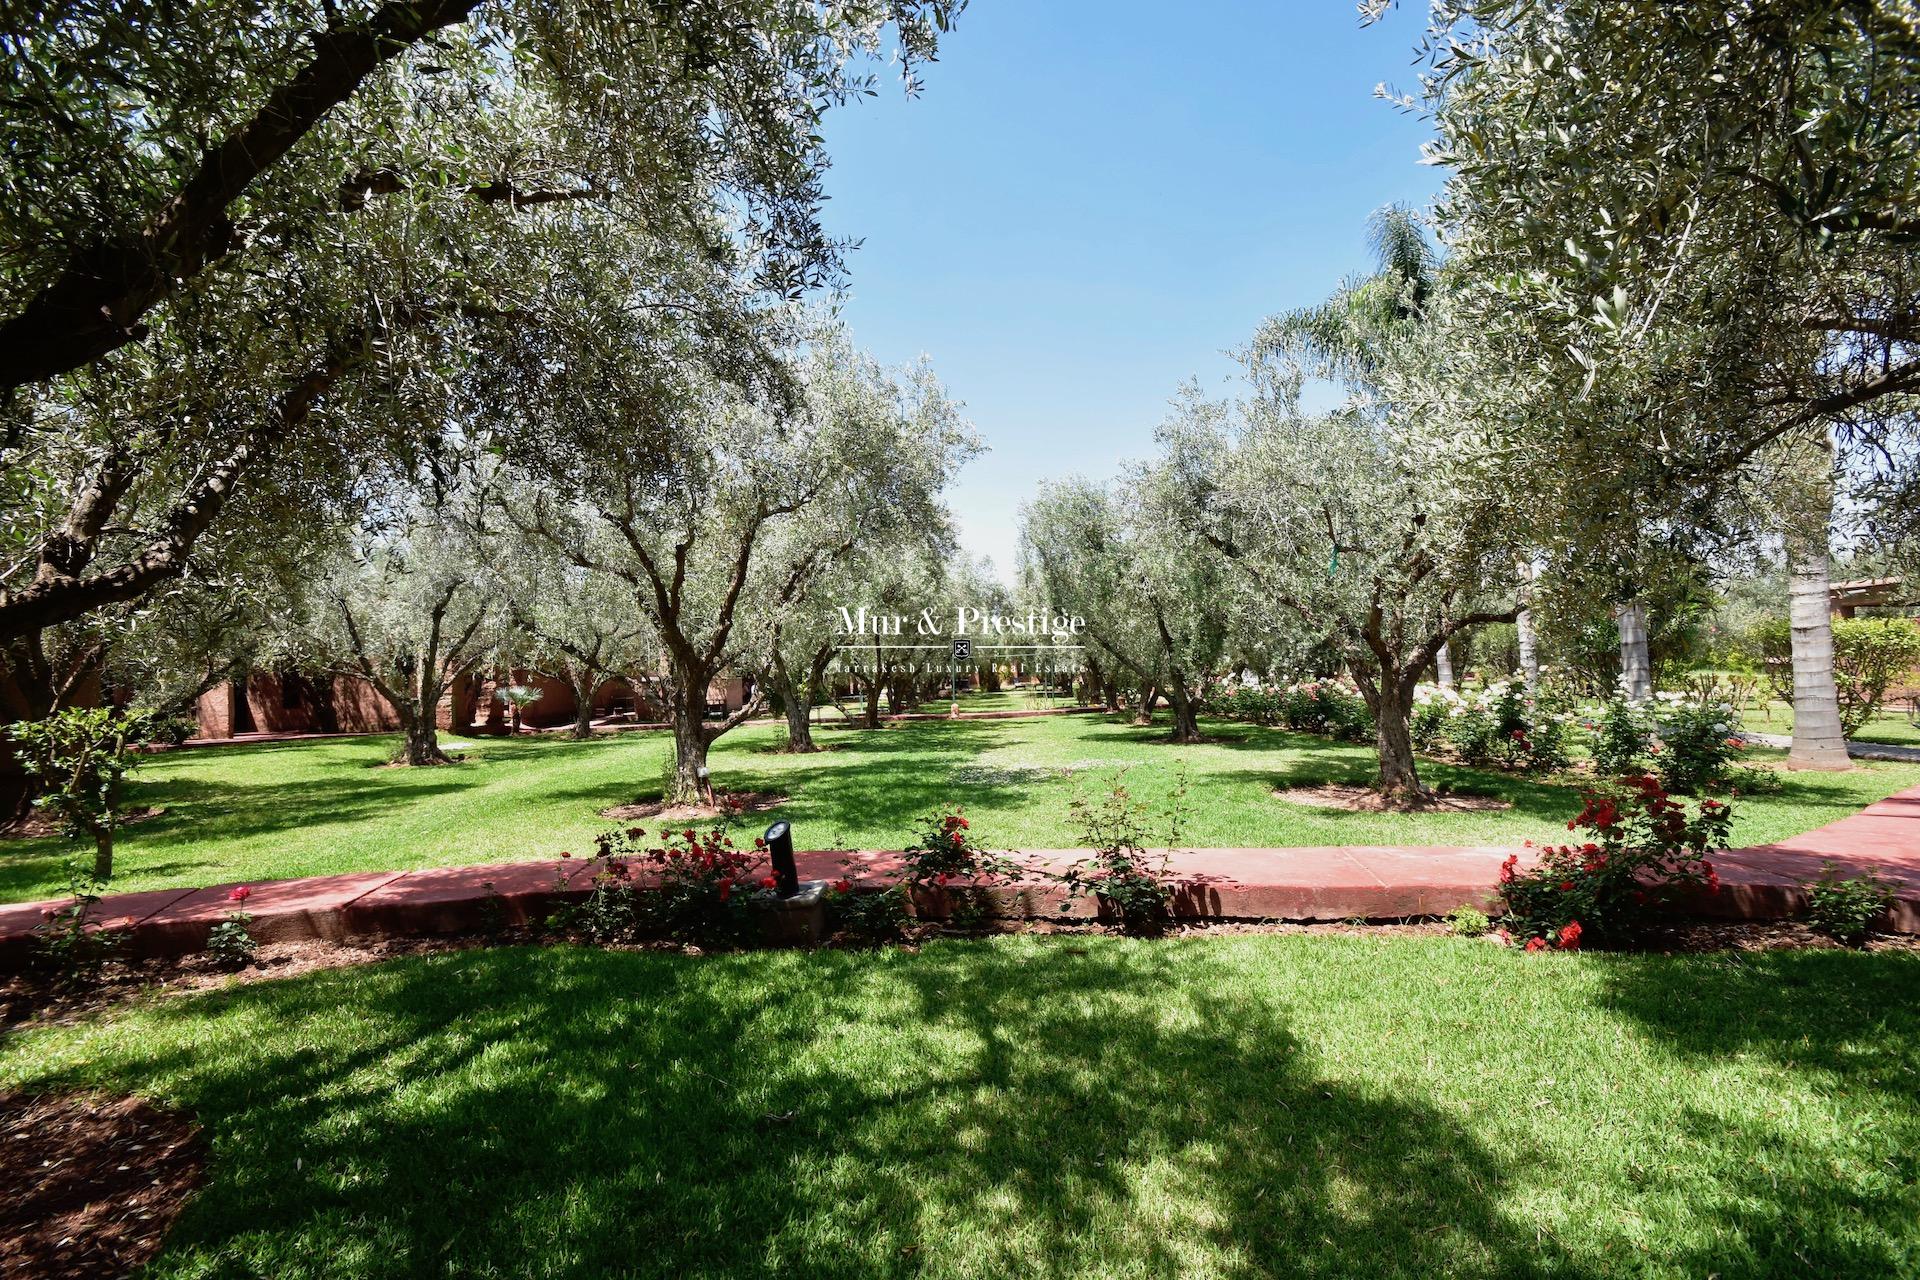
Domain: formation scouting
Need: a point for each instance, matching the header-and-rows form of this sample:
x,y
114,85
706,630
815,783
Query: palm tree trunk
x,y
1636,671
1818,742
1523,624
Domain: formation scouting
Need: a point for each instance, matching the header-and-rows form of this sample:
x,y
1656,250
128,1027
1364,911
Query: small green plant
x,y
1129,882
229,943
1844,907
70,951
493,912
867,914
78,758
1468,922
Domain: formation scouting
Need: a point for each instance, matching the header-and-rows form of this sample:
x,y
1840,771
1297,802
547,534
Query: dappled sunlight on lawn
x,y
1051,1107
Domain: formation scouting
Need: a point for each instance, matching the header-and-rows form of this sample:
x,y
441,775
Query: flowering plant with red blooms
x,y
684,884
1641,848
945,853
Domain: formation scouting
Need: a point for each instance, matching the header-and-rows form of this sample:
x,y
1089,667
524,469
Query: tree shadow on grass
x,y
1828,1188
970,1110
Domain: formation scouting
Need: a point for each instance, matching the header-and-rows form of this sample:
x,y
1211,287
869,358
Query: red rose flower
x,y
768,882
240,893
1569,939
1536,944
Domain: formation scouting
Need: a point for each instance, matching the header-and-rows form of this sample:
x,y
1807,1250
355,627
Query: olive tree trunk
x,y
583,687
1186,720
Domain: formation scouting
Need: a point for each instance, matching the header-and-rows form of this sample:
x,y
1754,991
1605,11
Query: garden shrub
x,y
1130,883
947,871
867,915
1844,908
1642,848
1472,731
704,886
1699,744
79,757
1870,656
1504,723
1622,737
1330,707
1432,710
1254,704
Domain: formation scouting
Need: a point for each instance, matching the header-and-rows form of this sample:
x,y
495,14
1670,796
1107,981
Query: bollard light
x,y
786,875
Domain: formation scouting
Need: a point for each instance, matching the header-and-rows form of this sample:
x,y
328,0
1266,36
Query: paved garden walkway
x,y
1334,883
1858,750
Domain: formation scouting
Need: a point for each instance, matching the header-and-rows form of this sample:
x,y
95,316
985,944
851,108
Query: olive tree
x,y
724,506
1356,528
1687,233
240,236
411,606
1124,558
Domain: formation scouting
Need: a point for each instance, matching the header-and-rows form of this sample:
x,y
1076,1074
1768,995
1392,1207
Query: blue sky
x,y
1091,202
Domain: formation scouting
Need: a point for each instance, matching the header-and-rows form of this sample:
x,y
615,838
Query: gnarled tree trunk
x,y
584,683
420,739
690,740
1186,720
1398,779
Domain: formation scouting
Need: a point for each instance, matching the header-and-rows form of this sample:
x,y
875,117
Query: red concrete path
x,y
1381,882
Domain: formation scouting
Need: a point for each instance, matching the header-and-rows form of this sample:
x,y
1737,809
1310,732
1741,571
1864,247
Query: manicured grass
x,y
1235,1107
1890,726
317,808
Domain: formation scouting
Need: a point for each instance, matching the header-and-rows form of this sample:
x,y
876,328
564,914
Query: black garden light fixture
x,y
786,875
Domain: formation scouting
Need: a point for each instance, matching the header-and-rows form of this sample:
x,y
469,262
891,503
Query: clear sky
x,y
1092,201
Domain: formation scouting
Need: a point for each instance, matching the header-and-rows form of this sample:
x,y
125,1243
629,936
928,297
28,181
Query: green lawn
x,y
1890,726
315,808
1231,1107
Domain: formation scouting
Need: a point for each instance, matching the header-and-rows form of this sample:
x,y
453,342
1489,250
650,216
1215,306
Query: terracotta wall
x,y
276,703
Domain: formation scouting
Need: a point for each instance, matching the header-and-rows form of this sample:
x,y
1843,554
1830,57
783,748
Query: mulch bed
x,y
728,802
1357,799
40,824
90,1184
